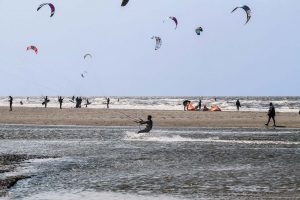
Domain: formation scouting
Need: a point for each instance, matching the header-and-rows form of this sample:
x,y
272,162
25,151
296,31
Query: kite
x,y
124,3
246,9
51,7
158,42
33,48
175,20
199,30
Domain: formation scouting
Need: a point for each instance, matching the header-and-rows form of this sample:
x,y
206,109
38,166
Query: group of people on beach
x,y
78,101
149,123
188,107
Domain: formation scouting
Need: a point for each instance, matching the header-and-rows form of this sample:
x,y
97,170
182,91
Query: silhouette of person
x,y
199,104
10,99
60,100
107,102
149,125
238,104
77,102
271,114
87,103
46,100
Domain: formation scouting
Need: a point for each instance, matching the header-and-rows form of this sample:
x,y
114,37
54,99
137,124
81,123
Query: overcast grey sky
x,y
229,58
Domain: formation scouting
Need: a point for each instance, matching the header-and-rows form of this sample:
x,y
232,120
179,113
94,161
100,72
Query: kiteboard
x,y
46,102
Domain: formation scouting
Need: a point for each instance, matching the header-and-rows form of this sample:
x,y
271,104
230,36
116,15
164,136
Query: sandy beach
x,y
114,117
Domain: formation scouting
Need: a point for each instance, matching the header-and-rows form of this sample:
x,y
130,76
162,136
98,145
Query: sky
x,y
228,59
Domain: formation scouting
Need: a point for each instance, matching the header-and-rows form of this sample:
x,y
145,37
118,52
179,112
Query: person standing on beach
x,y
238,104
271,114
107,102
149,124
60,100
199,104
46,100
79,102
10,99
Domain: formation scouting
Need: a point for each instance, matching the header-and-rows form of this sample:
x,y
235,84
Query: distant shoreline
x,y
161,118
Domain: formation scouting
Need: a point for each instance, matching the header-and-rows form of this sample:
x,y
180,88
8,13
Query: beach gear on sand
x,y
215,108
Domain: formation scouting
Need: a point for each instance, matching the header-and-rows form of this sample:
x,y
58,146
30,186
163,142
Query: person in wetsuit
x,y
149,125
10,99
271,114
107,102
46,101
60,100
238,104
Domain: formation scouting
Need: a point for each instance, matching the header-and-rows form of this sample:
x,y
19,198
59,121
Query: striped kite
x,y
51,7
33,48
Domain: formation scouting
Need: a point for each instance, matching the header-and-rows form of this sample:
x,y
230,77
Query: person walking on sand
x,y
79,102
10,99
107,102
60,100
271,114
149,124
238,104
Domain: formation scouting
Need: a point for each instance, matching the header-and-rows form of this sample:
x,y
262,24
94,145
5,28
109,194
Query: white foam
x,y
91,195
156,137
258,104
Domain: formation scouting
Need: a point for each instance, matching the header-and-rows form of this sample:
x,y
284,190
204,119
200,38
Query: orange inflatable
x,y
190,107
215,108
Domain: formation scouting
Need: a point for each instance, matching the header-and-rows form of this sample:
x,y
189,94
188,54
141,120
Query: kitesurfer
x,y
21,103
271,114
60,100
149,124
238,104
107,102
10,99
46,100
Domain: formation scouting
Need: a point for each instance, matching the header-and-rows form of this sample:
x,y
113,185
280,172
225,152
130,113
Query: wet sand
x,y
114,117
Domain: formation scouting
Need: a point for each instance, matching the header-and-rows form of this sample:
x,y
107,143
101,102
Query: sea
x,y
256,104
115,163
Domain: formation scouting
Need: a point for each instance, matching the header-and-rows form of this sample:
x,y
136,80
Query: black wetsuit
x,y
271,114
10,103
46,100
107,102
149,125
60,100
238,105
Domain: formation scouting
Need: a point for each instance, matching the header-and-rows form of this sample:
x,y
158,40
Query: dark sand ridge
x,y
114,117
